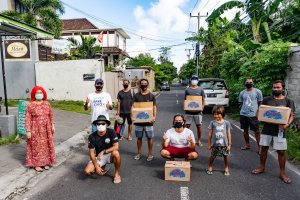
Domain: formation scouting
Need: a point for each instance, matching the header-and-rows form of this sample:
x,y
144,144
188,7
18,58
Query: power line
x,y
175,45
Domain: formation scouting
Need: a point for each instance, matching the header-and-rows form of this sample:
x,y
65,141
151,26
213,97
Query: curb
x,y
20,180
272,152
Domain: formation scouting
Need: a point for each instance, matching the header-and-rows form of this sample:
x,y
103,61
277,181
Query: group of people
x,y
177,142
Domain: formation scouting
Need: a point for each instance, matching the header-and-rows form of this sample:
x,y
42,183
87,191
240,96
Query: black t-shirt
x,y
101,143
125,101
138,97
269,128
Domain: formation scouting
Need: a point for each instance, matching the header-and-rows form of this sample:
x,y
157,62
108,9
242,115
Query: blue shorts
x,y
139,131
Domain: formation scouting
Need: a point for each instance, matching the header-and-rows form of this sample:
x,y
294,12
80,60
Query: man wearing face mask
x,y
195,90
145,96
99,102
276,134
179,142
125,100
104,142
250,98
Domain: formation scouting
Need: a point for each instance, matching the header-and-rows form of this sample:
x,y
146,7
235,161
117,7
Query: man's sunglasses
x,y
100,123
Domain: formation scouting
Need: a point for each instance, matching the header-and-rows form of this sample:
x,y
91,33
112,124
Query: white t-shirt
x,y
98,103
179,140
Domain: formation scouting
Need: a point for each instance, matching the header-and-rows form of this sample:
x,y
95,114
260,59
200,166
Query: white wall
x,y
63,80
4,5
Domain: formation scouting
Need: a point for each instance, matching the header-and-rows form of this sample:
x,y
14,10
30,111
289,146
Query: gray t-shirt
x,y
219,137
194,92
250,100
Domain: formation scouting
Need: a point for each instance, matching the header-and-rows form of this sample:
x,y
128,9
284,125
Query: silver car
x,y
216,91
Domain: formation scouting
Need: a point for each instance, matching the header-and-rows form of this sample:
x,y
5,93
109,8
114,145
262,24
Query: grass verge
x,y
73,106
12,139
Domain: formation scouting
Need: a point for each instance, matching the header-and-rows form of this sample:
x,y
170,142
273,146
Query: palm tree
x,y
43,13
87,49
257,11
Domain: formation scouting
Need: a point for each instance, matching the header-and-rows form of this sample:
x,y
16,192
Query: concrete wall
x,y
293,80
63,80
113,83
20,76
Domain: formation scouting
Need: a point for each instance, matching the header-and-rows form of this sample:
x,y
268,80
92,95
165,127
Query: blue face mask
x,y
39,96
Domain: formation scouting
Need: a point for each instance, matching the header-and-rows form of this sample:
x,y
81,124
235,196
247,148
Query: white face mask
x,y
194,82
39,96
101,128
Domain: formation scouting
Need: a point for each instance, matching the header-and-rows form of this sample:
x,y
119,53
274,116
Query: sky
x,y
150,24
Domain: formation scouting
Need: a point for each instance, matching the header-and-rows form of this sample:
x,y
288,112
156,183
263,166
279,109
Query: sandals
x,y
38,169
199,144
286,180
46,167
117,180
137,157
129,139
257,171
226,173
150,158
245,148
209,172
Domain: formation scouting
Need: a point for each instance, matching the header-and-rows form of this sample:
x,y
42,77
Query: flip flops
x,y
38,169
245,148
257,171
286,180
129,139
150,158
117,180
46,167
226,173
137,157
209,172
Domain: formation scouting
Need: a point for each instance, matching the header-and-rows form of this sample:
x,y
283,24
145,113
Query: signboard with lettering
x,y
60,47
16,50
21,117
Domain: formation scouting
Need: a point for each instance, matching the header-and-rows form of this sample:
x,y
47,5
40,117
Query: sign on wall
x,y
16,50
88,77
60,47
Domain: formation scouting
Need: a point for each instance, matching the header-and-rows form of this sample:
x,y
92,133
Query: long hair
x,y
34,90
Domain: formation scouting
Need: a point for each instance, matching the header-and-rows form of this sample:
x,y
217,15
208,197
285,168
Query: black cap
x,y
101,118
99,80
194,76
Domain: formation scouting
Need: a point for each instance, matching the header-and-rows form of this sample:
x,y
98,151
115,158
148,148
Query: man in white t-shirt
x,y
99,102
179,142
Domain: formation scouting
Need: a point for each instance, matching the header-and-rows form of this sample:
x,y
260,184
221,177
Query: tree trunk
x,y
267,30
255,30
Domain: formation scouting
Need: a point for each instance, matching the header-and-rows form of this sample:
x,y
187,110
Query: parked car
x,y
216,91
164,86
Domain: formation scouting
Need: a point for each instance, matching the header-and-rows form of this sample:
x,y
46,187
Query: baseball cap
x,y
194,76
99,80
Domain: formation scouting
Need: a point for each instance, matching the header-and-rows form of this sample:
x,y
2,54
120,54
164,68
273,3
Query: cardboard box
x,y
193,103
177,171
142,112
274,114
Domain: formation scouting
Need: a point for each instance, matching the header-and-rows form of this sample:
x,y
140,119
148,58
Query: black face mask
x,y
249,85
144,87
125,86
276,92
178,124
99,88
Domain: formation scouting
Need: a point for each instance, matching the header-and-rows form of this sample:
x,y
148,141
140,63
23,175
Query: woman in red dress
x,y
40,130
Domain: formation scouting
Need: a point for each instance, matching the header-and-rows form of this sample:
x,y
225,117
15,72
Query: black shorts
x,y
126,116
247,122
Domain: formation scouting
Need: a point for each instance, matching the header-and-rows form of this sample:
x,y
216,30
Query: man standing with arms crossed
x,y
195,90
125,100
250,98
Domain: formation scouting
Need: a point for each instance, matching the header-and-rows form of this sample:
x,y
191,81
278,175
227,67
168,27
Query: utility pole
x,y
189,52
198,42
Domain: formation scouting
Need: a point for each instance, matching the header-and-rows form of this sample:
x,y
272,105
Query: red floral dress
x,y
40,147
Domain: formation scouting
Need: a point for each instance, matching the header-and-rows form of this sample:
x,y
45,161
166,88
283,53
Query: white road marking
x,y
177,101
184,193
273,153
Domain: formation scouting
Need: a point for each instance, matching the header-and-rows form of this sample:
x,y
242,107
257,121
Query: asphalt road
x,y
145,180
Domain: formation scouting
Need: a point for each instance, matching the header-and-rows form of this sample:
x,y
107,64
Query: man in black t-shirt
x,y
276,134
124,107
104,142
145,96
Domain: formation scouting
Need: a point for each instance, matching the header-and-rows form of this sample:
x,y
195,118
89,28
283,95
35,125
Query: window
x,y
214,85
19,7
117,41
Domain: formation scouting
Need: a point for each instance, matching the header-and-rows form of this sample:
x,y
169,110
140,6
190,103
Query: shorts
x,y
104,160
126,116
247,122
196,118
268,140
220,151
139,131
176,152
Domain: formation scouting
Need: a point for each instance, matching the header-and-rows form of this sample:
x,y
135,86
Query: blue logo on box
x,y
193,104
177,173
273,114
142,115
